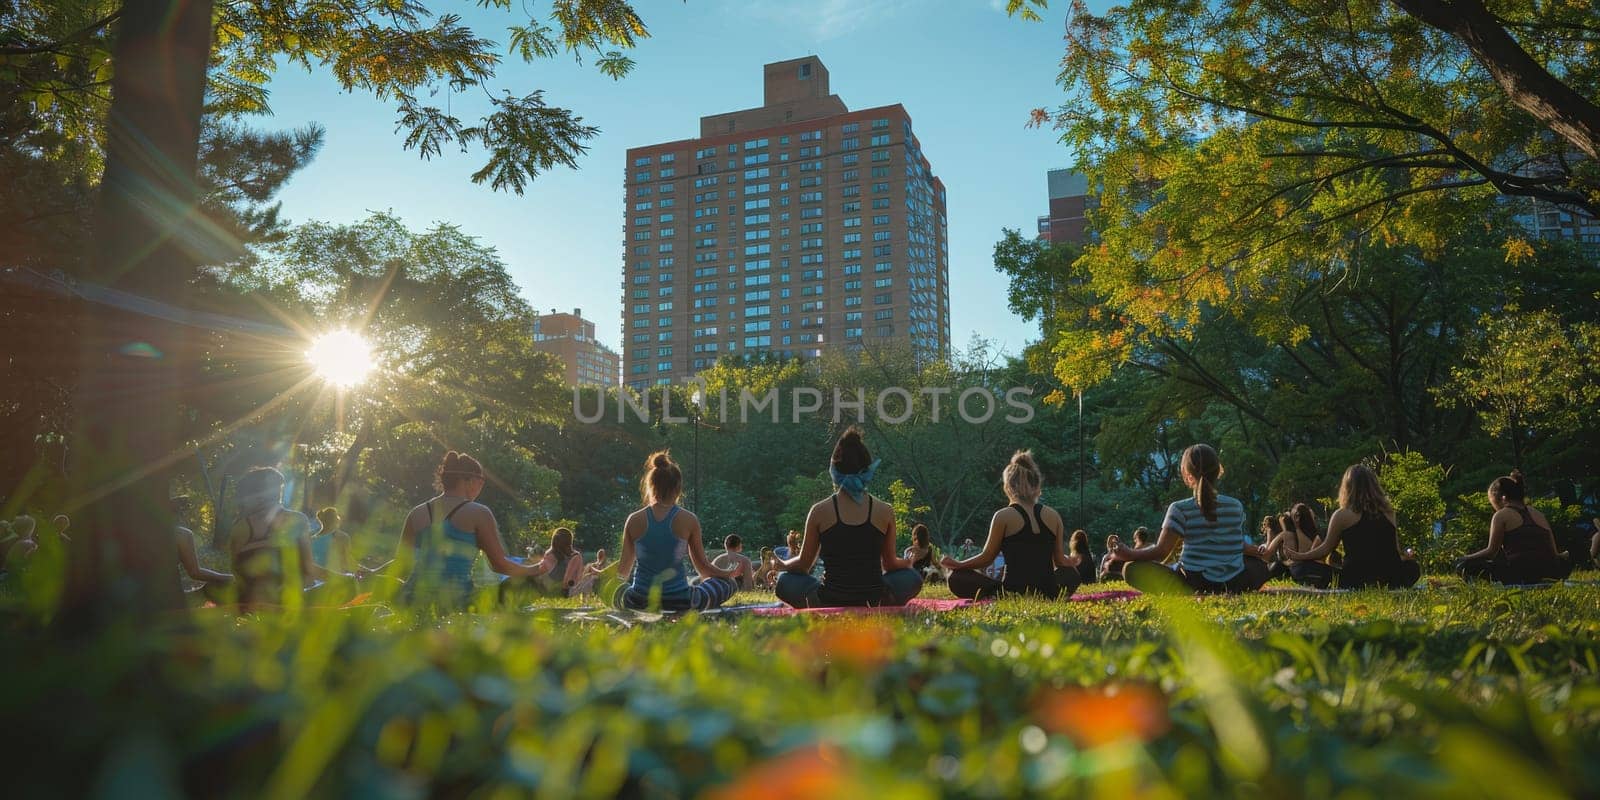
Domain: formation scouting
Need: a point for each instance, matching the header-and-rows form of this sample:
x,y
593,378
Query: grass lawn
x,y
1451,691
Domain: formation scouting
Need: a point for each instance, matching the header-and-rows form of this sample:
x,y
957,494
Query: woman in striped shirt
x,y
1217,555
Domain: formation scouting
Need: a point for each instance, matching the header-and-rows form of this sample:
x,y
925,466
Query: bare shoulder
x,y
882,511
1008,516
685,521
822,511
1052,518
1343,518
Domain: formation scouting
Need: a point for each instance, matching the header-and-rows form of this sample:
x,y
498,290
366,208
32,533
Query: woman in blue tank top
x,y
655,541
444,536
853,533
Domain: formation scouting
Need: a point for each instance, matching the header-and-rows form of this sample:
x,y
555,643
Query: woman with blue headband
x,y
853,532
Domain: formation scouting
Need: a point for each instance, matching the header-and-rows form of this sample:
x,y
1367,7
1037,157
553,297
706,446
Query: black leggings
x,y
1535,570
1401,575
971,584
1314,574
1153,578
1276,570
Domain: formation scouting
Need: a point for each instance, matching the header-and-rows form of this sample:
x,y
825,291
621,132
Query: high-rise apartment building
x,y
1068,219
570,337
783,230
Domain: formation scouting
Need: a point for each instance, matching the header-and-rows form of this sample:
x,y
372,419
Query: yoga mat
x,y
914,606
1109,594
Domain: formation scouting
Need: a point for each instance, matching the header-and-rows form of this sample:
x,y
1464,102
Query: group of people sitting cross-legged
x,y
450,541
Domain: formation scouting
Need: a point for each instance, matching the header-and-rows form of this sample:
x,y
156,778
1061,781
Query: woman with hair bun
x,y
1365,522
1522,547
444,536
1029,535
655,540
853,533
1217,556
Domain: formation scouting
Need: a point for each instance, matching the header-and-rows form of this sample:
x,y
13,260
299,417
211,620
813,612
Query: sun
x,y
341,358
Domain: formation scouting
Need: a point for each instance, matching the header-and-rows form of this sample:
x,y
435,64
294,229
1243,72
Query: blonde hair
x,y
1360,491
1021,477
1201,463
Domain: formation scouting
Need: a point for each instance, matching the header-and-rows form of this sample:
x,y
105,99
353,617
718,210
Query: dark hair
x,y
1201,463
453,469
1079,542
731,541
1286,522
919,535
1140,534
1510,487
662,479
792,539
1306,520
850,454
561,542
326,514
259,489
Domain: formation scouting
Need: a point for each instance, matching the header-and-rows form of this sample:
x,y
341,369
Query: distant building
x,y
570,337
1546,220
1068,220
782,230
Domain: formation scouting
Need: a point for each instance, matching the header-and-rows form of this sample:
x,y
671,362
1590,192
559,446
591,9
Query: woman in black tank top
x,y
1364,522
855,539
1521,548
1035,563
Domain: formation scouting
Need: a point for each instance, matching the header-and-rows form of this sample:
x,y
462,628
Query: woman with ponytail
x,y
853,532
1522,547
444,536
655,540
1029,535
1365,523
1217,556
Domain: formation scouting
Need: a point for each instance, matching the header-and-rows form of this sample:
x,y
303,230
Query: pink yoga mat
x,y
915,606
923,605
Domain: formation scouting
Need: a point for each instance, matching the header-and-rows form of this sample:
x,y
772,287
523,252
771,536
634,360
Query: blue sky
x,y
966,73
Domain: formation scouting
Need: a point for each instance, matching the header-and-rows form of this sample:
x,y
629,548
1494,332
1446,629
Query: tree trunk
x,y
1527,84
129,396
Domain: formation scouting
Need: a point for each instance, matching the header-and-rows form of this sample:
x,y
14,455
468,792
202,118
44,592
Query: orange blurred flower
x,y
862,644
1095,716
819,771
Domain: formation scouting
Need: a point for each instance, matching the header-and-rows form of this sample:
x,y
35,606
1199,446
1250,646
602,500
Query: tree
x,y
1532,377
59,57
1242,152
1413,484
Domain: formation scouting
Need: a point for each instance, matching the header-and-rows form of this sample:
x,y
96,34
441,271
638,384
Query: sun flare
x,y
341,358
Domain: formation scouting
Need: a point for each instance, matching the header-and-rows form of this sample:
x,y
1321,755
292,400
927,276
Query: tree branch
x,y
1526,82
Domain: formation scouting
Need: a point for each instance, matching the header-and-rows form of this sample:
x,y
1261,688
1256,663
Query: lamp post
x,y
694,420
1080,457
